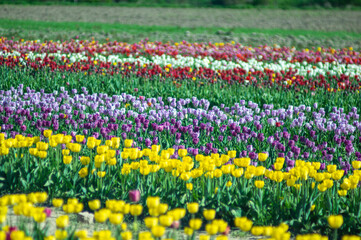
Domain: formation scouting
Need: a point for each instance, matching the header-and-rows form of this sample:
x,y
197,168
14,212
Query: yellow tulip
x,y
62,221
61,234
209,214
101,174
262,157
188,231
136,209
79,138
204,237
356,164
83,172
47,133
67,159
211,229
94,204
342,193
193,207
128,143
85,160
150,222
195,223
158,231
39,217
166,220
126,235
153,202
259,184
101,215
81,234
182,152
116,218
57,202
162,208
335,221
257,231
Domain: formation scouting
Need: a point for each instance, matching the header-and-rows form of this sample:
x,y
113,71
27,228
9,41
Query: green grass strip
x,y
28,25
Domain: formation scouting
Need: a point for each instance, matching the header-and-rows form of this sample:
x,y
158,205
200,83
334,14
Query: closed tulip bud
x,y
61,234
189,186
232,154
156,148
209,214
47,133
145,236
153,202
83,172
126,235
182,152
158,231
166,220
136,210
78,207
259,184
188,231
204,237
116,218
67,159
68,208
42,154
192,207
81,234
246,225
101,216
211,229
195,223
229,184
262,157
57,202
94,204
39,217
101,174
335,221
79,138
331,168
62,221
128,143
257,231
134,195
85,160
356,164
150,222
162,208
342,193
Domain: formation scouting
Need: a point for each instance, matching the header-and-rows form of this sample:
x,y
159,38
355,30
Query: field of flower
x,y
207,137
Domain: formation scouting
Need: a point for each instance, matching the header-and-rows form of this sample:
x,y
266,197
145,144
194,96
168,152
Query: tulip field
x,y
194,140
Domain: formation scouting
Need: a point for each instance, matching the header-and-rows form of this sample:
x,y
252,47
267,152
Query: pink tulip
x,y
47,211
134,195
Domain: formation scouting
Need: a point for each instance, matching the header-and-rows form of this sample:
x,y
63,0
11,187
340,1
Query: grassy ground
x,y
323,20
300,28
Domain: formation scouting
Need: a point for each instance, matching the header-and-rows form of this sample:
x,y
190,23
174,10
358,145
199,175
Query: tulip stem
x,y
335,235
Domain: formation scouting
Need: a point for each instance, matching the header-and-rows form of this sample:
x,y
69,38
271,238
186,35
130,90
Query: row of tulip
x,y
159,221
259,71
168,63
305,132
103,171
218,51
